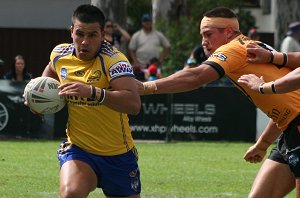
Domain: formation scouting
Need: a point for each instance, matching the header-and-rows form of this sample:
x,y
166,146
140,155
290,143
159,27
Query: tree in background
x,y
177,19
115,10
180,19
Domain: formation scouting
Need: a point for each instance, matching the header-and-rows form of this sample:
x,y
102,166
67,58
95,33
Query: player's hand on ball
x,y
75,89
41,96
27,105
28,86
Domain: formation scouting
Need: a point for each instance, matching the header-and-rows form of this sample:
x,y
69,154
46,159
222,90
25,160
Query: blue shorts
x,y
288,147
117,175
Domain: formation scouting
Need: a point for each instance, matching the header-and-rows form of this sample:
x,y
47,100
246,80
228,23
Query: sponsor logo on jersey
x,y
63,73
95,76
221,57
120,69
79,73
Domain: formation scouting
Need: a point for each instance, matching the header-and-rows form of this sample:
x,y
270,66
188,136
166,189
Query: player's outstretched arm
x,y
181,81
257,54
287,83
252,81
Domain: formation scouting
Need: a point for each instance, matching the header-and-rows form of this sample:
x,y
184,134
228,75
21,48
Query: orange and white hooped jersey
x,y
230,60
94,127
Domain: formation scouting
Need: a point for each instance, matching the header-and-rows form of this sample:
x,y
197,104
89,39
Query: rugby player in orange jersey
x,y
226,45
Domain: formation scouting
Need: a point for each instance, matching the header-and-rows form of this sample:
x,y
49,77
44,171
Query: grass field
x,y
168,170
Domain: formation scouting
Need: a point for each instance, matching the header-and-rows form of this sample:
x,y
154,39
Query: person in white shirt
x,y
146,44
291,42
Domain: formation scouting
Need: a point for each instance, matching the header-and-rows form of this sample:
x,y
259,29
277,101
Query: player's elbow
x,y
135,107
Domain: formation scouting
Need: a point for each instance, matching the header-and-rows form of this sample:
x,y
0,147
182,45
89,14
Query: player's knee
x,y
254,194
69,192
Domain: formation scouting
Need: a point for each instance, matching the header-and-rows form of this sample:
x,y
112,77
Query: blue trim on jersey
x,y
102,64
63,51
107,49
129,75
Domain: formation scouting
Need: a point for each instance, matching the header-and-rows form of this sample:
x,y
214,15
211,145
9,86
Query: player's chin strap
x,y
149,87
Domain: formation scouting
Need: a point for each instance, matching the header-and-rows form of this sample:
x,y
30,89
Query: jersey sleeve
x,y
229,57
59,51
118,66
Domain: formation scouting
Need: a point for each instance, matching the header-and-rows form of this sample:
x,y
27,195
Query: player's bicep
x,y
209,72
124,83
50,72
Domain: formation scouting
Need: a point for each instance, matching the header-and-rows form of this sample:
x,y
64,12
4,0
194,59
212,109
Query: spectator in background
x,y
197,56
153,71
116,35
253,34
146,44
18,70
291,42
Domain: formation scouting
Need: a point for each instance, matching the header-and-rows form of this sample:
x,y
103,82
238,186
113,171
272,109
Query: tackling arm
x,y
287,83
182,81
257,54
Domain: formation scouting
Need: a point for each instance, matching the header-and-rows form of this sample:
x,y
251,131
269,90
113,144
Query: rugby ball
x,y
42,96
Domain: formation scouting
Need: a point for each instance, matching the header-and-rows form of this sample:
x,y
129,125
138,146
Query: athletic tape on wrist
x,y
93,92
149,87
102,96
267,88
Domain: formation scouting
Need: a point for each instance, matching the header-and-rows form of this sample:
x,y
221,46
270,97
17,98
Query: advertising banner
x,y
208,113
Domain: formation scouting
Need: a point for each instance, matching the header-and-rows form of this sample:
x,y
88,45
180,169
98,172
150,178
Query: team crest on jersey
x,y
120,69
95,76
221,57
79,73
293,160
63,73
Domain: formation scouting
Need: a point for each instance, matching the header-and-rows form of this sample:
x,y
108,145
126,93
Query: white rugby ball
x,y
41,94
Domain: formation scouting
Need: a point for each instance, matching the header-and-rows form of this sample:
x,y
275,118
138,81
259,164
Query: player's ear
x,y
229,31
71,29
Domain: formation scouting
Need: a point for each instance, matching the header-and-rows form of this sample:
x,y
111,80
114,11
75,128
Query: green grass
x,y
174,170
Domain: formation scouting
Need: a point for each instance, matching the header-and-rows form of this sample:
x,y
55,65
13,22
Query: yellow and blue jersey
x,y
94,127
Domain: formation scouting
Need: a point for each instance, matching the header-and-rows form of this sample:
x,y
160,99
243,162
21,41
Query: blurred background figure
x,y
18,70
116,35
153,71
196,58
291,42
146,44
253,34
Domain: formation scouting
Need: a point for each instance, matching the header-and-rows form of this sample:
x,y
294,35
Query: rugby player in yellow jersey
x,y
222,38
100,89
